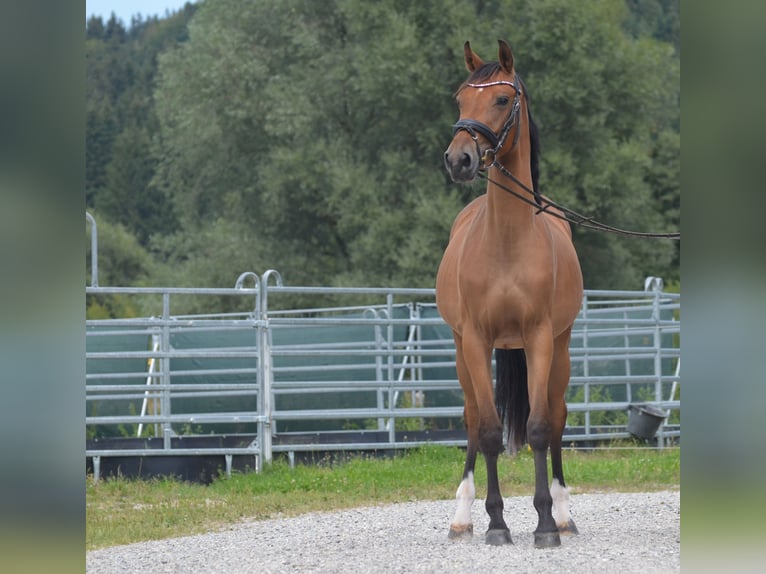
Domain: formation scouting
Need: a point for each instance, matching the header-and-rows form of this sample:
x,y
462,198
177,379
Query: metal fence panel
x,y
372,359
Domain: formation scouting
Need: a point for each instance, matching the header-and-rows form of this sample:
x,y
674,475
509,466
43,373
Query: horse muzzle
x,y
461,165
464,165
462,159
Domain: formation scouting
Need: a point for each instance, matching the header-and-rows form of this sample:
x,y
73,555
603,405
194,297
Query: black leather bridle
x,y
496,141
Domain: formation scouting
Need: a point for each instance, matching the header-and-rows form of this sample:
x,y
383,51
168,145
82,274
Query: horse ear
x,y
472,61
505,56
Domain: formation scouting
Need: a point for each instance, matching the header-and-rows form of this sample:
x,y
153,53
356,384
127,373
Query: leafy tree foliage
x,y
660,19
121,123
308,137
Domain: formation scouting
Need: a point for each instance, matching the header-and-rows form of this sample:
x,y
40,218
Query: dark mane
x,y
534,144
483,74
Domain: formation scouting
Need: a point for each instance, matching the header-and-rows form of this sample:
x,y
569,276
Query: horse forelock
x,y
484,72
479,75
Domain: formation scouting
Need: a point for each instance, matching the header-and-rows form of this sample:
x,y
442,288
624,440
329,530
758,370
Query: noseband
x,y
495,140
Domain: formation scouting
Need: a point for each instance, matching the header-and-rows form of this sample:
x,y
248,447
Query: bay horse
x,y
509,280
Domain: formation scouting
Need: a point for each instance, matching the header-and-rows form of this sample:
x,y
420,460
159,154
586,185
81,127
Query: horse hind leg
x,y
558,412
560,495
559,490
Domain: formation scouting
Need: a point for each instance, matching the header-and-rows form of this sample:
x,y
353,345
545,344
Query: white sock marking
x,y
465,495
560,495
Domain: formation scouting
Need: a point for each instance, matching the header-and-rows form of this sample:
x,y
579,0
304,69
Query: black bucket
x,y
644,420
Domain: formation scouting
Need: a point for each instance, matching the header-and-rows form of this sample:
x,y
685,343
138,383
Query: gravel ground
x,y
618,533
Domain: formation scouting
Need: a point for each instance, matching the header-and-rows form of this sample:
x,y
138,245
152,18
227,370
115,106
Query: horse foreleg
x,y
498,532
477,354
484,434
539,353
462,523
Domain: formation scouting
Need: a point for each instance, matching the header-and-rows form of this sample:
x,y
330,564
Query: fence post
x,y
585,361
267,373
263,429
656,284
379,394
390,368
240,284
167,428
93,250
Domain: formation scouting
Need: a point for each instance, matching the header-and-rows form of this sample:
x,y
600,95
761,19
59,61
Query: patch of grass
x,y
121,511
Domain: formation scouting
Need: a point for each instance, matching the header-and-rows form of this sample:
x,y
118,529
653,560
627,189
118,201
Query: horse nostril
x,y
466,160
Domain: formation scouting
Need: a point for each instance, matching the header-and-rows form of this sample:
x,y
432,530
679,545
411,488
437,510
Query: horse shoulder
x,y
555,219
467,214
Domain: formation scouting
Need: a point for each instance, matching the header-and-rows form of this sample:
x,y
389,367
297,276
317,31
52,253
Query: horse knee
x,y
538,434
491,441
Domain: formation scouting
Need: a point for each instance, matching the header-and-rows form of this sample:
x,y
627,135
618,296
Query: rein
x,y
569,215
489,159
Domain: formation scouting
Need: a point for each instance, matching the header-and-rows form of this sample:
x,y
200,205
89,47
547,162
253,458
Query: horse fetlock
x,y
560,510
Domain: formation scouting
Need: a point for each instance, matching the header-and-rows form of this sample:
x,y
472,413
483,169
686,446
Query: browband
x,y
495,83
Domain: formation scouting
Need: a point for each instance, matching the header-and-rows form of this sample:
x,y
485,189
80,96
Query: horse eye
x,y
502,101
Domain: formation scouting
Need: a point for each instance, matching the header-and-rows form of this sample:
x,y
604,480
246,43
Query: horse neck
x,y
509,215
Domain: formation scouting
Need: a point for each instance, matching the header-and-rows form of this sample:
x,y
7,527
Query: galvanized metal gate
x,y
376,359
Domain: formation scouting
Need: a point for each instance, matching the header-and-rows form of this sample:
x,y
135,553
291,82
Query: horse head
x,y
489,102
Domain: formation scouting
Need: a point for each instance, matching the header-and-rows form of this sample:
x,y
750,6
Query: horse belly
x,y
568,291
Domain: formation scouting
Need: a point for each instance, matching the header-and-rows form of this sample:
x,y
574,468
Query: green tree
x,y
660,19
120,120
315,142
129,197
310,140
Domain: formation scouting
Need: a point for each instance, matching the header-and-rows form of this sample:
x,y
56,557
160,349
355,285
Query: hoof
x,y
498,537
569,529
547,539
460,532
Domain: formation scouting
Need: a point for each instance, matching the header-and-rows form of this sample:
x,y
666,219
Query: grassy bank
x,y
121,511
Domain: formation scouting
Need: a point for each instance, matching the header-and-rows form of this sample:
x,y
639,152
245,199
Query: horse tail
x,y
512,394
